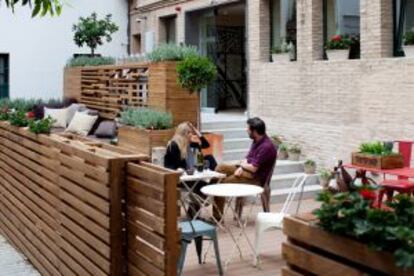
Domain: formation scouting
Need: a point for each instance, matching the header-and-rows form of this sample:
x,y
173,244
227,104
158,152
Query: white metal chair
x,y
274,221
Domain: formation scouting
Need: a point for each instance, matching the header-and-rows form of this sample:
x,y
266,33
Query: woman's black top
x,y
173,160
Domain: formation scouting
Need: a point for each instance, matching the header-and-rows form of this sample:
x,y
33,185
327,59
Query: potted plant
x,y
276,139
408,46
325,177
143,129
310,166
195,73
377,155
337,48
281,53
43,126
283,152
294,153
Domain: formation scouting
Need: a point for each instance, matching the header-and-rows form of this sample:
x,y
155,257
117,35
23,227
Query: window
x,y
168,29
283,26
342,17
4,75
136,44
403,23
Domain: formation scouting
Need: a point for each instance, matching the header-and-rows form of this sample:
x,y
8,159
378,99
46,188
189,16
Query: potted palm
x,y
283,152
281,53
143,129
409,44
337,48
294,153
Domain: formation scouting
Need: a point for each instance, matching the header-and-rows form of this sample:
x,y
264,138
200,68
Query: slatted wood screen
x,y
153,235
109,89
61,202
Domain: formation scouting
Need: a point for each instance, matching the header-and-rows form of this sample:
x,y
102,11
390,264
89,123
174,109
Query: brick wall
x,y
330,107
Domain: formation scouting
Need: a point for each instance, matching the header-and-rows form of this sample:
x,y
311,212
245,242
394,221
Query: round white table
x,y
231,192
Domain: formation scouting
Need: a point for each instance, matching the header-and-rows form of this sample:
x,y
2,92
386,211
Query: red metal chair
x,y
402,184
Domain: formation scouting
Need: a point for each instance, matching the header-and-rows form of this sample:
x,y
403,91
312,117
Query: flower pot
x,y
293,156
408,50
284,57
324,182
310,169
338,54
282,155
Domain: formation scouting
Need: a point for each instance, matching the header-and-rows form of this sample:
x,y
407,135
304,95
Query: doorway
x,y
4,76
219,33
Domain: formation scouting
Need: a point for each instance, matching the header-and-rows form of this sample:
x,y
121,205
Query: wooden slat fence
x,y
61,202
153,236
109,89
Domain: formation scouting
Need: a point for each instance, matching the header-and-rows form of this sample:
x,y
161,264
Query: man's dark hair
x,y
257,124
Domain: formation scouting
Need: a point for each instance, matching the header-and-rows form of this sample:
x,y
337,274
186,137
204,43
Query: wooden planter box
x,y
166,94
143,140
377,162
311,250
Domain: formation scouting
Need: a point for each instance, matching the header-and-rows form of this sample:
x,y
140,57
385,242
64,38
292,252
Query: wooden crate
x,y
377,162
142,140
153,235
313,251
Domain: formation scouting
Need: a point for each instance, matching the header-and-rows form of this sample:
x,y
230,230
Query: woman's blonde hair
x,y
181,138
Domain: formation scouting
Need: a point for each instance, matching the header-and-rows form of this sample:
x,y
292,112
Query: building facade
x,y
34,51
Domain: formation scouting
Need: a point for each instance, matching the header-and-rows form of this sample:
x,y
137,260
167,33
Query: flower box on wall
x,y
337,54
281,58
143,140
311,250
387,162
408,50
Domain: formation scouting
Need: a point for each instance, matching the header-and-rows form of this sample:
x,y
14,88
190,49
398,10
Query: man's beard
x,y
251,136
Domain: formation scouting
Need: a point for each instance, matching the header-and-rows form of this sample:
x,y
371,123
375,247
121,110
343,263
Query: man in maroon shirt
x,y
257,166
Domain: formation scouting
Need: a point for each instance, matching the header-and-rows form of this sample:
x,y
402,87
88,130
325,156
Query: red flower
x,y
30,115
336,38
368,194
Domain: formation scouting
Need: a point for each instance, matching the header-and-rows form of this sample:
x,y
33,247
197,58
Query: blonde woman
x,y
181,148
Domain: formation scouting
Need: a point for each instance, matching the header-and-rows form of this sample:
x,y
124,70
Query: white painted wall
x,y
40,47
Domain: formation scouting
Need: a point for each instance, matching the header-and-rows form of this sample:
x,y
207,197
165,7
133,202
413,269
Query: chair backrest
x,y
405,149
295,188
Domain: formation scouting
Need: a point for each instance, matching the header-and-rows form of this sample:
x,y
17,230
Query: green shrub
x,y
352,215
171,52
282,48
295,149
283,147
90,61
325,174
18,118
146,118
19,104
41,126
375,148
409,38
310,162
196,72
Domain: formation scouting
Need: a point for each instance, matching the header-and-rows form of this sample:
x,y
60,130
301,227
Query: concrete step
x,y
209,126
237,154
237,144
283,181
280,195
231,133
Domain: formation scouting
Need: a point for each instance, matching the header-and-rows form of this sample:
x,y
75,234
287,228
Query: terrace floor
x,y
271,257
14,263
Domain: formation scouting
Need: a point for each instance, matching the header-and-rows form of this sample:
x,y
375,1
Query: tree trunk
x,y
93,52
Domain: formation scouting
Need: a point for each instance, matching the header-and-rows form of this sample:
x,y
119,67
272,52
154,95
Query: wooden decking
x,y
271,258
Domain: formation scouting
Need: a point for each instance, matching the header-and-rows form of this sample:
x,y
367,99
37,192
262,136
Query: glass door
x,y
4,75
